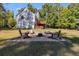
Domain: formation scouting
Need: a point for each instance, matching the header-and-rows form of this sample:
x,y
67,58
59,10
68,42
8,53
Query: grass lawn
x,y
39,48
6,34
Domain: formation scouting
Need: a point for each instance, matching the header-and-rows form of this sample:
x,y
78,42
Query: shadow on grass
x,y
38,48
34,49
73,39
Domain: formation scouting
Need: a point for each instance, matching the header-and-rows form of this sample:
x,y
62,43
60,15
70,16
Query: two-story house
x,y
25,18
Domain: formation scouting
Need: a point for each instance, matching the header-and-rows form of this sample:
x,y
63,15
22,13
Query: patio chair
x,y
23,35
56,35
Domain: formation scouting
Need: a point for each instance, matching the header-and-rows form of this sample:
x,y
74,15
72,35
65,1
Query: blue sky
x,y
15,6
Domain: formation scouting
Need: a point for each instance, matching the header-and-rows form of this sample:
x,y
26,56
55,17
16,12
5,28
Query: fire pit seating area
x,y
25,35
56,35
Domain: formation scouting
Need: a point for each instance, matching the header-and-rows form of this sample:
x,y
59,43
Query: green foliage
x,y
54,15
30,7
10,19
6,18
2,16
57,16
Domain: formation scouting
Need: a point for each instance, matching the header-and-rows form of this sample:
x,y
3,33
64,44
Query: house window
x,y
22,17
24,23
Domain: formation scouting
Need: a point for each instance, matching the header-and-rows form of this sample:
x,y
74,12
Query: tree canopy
x,y
6,18
57,16
53,14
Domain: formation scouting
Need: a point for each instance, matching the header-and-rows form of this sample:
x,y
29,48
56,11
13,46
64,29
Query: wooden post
x,y
59,34
20,32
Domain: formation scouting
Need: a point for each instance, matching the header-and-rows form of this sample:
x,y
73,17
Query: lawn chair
x,y
56,35
23,35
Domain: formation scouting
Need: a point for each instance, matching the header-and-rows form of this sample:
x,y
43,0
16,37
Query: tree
x,y
74,7
71,22
2,16
10,19
57,16
30,7
52,14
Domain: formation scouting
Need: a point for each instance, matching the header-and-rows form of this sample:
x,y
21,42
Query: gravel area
x,y
41,39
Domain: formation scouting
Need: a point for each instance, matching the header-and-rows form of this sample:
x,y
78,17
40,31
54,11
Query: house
x,y
25,18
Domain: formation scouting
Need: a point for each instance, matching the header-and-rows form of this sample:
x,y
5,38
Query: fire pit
x,y
31,34
40,35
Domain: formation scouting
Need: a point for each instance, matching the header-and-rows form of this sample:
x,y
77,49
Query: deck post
x,y
20,32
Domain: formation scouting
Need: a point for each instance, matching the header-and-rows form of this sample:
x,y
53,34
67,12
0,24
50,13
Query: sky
x,y
14,6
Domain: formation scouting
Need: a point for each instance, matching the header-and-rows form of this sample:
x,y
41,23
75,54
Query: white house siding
x,y
28,20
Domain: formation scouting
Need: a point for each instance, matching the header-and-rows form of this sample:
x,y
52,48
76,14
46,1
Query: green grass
x,y
39,48
6,34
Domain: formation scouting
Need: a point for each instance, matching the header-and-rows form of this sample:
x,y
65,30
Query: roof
x,y
21,10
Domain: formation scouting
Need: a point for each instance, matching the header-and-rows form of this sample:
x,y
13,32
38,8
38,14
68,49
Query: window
x,y
22,17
